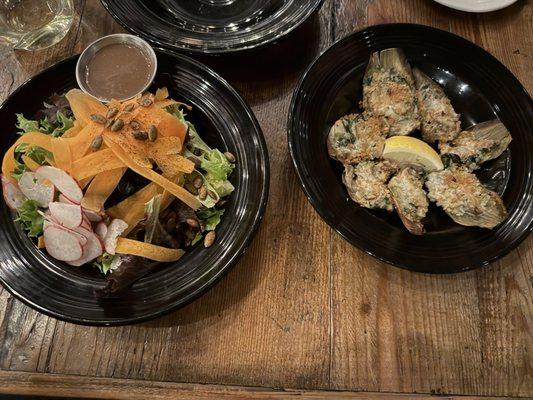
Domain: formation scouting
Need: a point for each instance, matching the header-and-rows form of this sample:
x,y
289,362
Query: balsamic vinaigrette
x,y
117,71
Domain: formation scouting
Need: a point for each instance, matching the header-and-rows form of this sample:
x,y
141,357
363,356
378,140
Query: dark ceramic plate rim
x,y
195,51
230,263
316,202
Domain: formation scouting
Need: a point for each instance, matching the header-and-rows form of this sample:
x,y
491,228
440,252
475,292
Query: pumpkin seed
x,y
135,125
99,119
152,133
96,143
111,113
209,239
129,107
140,135
198,182
202,193
211,194
145,101
109,123
117,125
230,157
192,223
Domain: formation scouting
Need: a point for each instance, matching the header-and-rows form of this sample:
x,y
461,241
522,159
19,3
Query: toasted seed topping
x,y
230,157
209,239
96,143
192,223
145,100
129,107
135,125
152,133
198,182
117,125
170,225
111,113
109,123
99,119
140,135
211,194
190,187
202,193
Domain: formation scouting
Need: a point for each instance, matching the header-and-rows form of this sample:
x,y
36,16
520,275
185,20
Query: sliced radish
x,y
61,244
62,181
101,230
92,215
50,222
92,249
13,196
68,215
37,188
114,230
66,200
86,223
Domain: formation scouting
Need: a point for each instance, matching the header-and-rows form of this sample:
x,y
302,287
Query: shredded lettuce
x,y
20,168
107,262
210,217
213,162
30,218
55,129
38,154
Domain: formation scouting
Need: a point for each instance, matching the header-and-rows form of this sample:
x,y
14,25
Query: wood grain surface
x,y
302,309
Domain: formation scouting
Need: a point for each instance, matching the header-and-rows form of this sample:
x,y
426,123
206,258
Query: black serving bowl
x,y
224,121
480,88
211,26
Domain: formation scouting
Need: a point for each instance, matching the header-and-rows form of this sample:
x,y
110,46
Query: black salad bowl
x,y
224,121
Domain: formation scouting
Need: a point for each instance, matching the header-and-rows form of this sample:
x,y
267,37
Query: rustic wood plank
x,y
268,322
247,330
468,333
129,389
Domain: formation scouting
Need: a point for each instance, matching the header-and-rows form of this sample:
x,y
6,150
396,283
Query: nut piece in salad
x,y
389,92
90,193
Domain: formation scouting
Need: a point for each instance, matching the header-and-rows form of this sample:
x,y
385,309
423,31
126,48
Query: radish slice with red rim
x,y
13,196
50,222
91,250
66,200
101,230
93,216
61,244
68,215
37,188
62,181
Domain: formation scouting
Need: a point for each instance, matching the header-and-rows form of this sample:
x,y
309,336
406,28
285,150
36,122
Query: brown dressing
x,y
117,71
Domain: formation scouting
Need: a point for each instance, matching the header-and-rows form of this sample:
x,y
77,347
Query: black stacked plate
x,y
480,88
211,26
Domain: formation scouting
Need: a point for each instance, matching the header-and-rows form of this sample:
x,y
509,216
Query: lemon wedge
x,y
409,151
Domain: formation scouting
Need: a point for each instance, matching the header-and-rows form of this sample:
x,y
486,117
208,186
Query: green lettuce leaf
x,y
106,262
30,219
55,129
20,168
211,217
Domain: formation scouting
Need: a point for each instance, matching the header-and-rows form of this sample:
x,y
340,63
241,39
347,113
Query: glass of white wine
x,y
34,24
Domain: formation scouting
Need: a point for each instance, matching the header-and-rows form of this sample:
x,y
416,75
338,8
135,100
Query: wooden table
x,y
303,314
